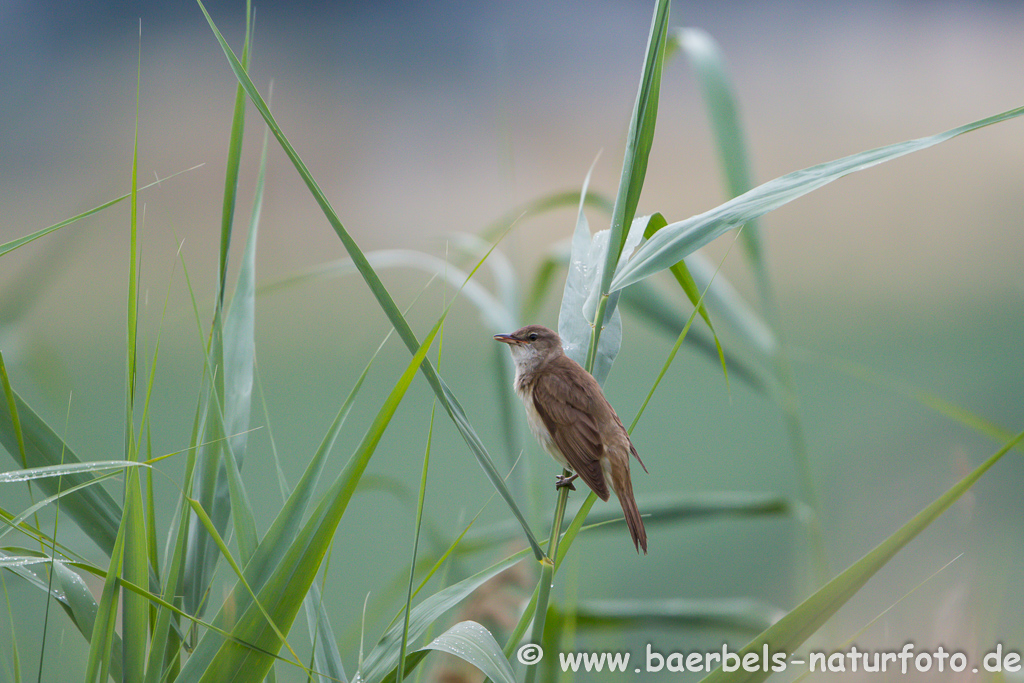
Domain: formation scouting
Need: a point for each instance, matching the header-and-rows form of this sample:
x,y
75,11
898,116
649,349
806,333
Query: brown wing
x,y
566,406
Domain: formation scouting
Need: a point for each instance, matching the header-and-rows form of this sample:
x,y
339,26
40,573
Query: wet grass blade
x,y
93,510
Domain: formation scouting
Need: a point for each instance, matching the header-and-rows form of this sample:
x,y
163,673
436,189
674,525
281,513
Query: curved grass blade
x,y
91,507
472,643
793,629
380,292
383,658
680,239
580,297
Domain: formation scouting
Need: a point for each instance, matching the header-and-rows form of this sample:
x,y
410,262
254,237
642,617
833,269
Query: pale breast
x,y
524,389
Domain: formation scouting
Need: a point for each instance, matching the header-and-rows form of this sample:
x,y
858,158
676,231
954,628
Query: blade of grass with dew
x,y
93,510
286,586
634,164
380,292
472,643
723,111
789,632
383,658
734,614
73,596
212,478
680,239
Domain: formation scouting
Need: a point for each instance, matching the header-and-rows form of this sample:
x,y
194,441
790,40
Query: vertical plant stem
x,y
547,574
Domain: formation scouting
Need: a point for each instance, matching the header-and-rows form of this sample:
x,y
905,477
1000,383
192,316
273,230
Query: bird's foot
x,y
561,481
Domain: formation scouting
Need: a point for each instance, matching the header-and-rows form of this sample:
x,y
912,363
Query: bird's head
x,y
532,345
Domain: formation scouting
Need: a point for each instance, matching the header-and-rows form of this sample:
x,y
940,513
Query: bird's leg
x,y
562,480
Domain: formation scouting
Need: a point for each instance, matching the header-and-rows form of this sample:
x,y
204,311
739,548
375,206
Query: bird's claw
x,y
563,481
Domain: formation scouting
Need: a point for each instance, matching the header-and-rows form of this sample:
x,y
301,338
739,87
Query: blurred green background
x,y
423,119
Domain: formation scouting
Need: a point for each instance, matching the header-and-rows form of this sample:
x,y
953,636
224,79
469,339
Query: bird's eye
x,y
533,336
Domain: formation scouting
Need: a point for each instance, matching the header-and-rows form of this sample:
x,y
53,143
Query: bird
x,y
570,417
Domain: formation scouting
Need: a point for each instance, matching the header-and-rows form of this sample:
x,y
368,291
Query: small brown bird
x,y
571,418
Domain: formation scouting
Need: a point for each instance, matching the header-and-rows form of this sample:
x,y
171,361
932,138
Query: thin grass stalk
x,y
415,546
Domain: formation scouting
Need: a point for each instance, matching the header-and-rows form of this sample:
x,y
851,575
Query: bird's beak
x,y
507,339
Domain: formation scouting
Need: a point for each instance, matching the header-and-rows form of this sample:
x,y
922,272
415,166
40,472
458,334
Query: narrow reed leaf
x,y
793,629
634,164
92,508
654,223
8,247
682,238
135,563
737,614
380,292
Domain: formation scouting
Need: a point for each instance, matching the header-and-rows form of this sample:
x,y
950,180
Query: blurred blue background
x,y
421,119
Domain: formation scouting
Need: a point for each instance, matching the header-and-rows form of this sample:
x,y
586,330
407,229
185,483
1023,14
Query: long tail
x,y
624,492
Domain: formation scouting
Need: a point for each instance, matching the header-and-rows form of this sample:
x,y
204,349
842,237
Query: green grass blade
x,y
233,164
679,270
8,247
634,164
403,646
638,140
793,629
101,641
380,292
680,239
135,562
383,658
473,643
92,508
708,66
646,301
